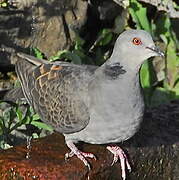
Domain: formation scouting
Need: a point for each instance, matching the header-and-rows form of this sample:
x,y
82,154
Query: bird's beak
x,y
156,50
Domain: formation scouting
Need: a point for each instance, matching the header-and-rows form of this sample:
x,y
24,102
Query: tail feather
x,y
32,59
24,70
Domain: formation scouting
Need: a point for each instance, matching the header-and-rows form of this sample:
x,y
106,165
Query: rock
x,y
47,162
46,25
54,29
153,152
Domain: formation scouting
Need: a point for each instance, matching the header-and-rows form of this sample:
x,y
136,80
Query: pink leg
x,y
119,154
81,155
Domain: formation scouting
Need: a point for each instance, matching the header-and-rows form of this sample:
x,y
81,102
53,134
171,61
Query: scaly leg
x,y
120,155
81,155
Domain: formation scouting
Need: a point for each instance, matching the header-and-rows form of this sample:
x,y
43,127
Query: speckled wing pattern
x,y
55,91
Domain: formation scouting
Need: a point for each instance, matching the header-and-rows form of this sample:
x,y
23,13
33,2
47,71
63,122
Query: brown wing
x,y
57,93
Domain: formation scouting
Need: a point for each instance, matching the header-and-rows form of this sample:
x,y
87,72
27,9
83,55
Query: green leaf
x,y
172,62
42,125
139,15
4,144
35,136
164,38
12,117
67,55
105,37
147,77
176,91
38,54
73,57
26,120
79,42
35,117
53,58
163,26
19,114
4,4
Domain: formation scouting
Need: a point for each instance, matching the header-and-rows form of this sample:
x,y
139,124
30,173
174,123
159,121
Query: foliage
x,y
4,4
14,117
37,53
160,29
80,55
7,4
139,15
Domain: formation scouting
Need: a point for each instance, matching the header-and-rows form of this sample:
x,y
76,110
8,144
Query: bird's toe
x,y
120,155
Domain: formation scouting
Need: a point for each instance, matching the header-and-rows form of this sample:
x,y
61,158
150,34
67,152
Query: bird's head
x,y
135,46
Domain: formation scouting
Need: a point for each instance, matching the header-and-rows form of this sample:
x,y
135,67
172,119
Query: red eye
x,y
137,41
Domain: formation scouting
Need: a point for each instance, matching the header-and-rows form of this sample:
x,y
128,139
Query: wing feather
x,y
57,93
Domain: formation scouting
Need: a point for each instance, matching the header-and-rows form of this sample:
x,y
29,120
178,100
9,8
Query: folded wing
x,y
57,92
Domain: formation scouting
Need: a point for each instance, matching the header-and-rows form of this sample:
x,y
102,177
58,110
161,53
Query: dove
x,y
97,105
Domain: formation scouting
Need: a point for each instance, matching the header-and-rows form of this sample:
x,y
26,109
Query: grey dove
x,y
97,105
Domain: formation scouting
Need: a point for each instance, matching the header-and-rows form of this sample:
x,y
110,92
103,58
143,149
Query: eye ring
x,y
137,41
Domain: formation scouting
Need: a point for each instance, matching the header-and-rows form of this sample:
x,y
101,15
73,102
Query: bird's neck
x,y
115,74
129,64
119,71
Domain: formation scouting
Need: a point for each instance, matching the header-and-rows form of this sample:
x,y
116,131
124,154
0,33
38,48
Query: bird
x,y
93,104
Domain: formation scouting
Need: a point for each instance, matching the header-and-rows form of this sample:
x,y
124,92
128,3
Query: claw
x,y
119,154
81,155
69,155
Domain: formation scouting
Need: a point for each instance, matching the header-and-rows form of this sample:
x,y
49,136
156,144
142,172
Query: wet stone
x,y
153,154
47,162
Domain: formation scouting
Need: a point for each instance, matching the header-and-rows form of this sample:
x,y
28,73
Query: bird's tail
x,y
32,59
24,67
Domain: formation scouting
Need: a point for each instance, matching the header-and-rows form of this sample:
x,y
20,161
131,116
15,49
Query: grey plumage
x,y
55,91
88,103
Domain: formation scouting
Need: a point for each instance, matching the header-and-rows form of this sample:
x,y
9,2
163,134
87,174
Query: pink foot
x,y
81,155
119,154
